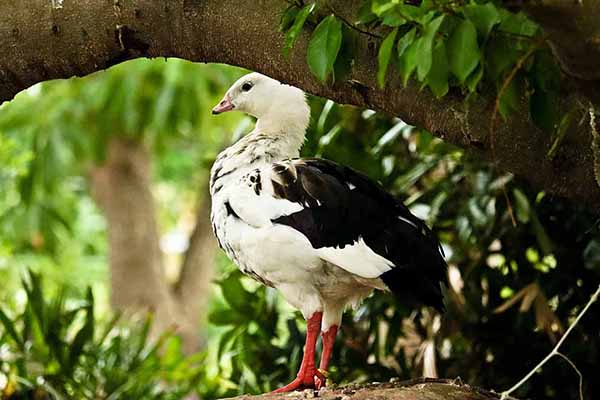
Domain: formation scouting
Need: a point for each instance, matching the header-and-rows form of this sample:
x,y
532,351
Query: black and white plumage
x,y
323,234
345,212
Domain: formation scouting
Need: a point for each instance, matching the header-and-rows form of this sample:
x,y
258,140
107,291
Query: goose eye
x,y
246,86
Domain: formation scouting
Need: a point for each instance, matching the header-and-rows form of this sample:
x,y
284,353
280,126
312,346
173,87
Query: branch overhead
x,y
39,42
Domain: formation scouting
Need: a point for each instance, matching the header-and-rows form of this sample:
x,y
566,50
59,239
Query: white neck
x,y
286,129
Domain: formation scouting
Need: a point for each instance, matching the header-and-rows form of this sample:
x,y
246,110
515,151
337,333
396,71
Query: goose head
x,y
274,104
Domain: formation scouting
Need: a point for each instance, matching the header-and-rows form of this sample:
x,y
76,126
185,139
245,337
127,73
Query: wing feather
x,y
357,258
355,224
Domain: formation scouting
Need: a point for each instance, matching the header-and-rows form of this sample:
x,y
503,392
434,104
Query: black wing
x,y
342,205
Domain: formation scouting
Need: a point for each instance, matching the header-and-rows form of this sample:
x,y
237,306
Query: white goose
x,y
322,234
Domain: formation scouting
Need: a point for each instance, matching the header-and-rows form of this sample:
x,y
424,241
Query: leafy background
x,y
522,263
462,46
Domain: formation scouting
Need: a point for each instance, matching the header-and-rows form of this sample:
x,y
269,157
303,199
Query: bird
x,y
323,234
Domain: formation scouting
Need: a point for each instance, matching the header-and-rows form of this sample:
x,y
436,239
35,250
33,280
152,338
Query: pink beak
x,y
224,106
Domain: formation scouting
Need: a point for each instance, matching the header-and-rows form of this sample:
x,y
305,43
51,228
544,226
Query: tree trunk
x,y
418,389
41,40
121,187
193,286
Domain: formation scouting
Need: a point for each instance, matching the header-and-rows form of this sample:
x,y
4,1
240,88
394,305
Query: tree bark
x,y
573,32
419,389
121,188
40,42
197,268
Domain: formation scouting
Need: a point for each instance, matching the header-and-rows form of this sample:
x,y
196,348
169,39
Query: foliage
x,y
53,134
55,350
14,160
468,46
255,352
324,47
56,132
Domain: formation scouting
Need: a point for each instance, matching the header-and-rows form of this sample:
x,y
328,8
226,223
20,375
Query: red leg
x,y
328,338
308,370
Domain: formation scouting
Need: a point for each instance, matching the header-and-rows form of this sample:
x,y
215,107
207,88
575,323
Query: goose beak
x,y
224,106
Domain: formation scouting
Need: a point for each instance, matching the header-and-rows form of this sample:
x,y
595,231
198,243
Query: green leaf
x,y
517,24
410,177
464,228
542,237
10,328
226,339
385,52
345,58
522,206
35,298
463,51
405,41
561,131
156,345
108,328
27,182
365,14
142,337
437,79
287,18
324,46
380,7
408,62
545,73
509,101
483,16
223,317
425,47
388,13
543,107
473,80
235,294
292,34
421,14
85,335
393,19
500,54
479,218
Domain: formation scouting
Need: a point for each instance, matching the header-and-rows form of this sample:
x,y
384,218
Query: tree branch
x,y
416,389
39,42
192,289
573,31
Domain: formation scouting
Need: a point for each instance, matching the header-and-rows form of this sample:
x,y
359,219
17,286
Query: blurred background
x,y
111,285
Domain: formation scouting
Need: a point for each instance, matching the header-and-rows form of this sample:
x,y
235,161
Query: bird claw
x,y
296,384
320,379
310,380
